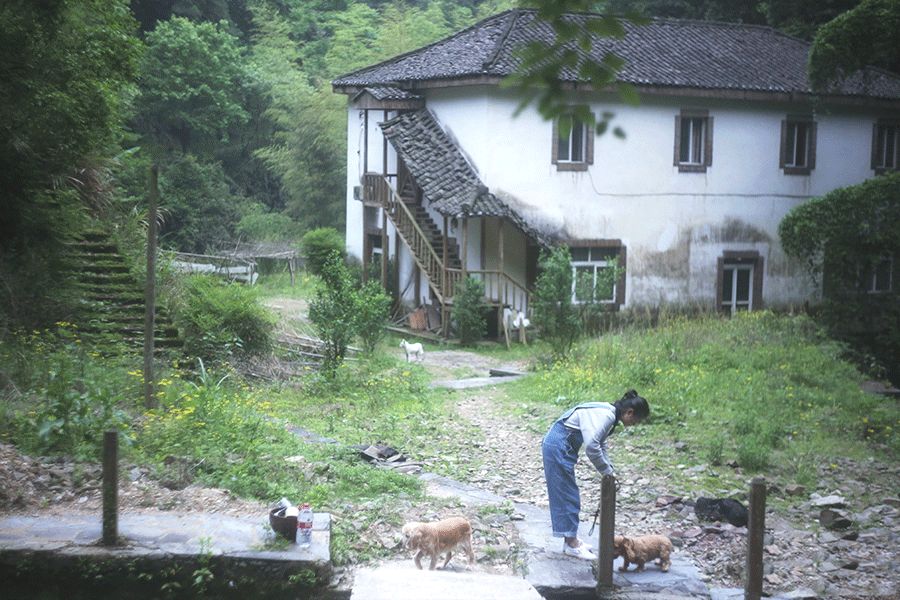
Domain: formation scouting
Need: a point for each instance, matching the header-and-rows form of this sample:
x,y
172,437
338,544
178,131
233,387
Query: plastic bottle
x,y
304,525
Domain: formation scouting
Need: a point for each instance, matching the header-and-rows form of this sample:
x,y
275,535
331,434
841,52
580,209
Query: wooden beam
x,y
464,251
384,249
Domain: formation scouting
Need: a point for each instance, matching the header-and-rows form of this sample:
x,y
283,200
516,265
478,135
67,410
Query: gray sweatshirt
x,y
595,423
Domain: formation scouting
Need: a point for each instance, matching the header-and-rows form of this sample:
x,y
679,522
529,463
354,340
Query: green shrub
x,y
551,302
318,245
714,450
220,319
372,306
753,454
469,310
333,311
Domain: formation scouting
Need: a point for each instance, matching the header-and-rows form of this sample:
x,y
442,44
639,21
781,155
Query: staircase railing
x,y
377,189
499,287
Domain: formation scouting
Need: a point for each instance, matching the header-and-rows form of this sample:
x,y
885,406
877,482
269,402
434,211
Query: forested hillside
x,y
231,98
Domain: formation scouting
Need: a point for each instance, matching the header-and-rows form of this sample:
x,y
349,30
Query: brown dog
x,y
642,549
436,538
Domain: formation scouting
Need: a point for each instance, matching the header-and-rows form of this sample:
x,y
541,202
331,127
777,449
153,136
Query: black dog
x,y
721,509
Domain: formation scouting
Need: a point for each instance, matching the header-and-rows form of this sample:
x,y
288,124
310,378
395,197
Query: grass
x,y
279,285
768,391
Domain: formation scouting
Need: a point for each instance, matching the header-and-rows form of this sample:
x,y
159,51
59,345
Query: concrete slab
x,y
555,575
394,581
444,487
474,382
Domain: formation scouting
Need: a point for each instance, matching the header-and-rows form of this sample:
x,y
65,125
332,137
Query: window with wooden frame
x,y
572,144
739,282
877,276
598,272
885,138
798,146
693,141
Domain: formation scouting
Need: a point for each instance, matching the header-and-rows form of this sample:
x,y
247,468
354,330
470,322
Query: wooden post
x,y
110,488
607,531
150,291
465,247
384,249
292,267
445,284
756,529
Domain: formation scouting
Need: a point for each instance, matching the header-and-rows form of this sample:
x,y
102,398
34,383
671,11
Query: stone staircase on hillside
x,y
112,298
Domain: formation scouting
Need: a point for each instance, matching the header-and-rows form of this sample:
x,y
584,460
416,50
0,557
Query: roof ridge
x,y
514,16
398,57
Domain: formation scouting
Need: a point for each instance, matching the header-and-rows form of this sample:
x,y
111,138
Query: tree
x,y
68,67
192,79
333,312
469,309
850,239
554,313
868,35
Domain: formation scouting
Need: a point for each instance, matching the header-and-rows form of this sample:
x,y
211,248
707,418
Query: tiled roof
x,y
448,181
390,93
664,52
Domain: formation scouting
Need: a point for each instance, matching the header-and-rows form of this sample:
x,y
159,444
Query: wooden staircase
x,y
426,243
112,306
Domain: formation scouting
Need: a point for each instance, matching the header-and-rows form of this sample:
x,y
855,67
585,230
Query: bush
x,y
333,311
220,319
318,245
469,309
372,306
552,305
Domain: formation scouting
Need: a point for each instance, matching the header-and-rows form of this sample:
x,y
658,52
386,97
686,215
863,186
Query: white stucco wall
x,y
674,225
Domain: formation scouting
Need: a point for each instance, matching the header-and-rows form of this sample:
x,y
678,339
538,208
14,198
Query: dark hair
x,y
631,400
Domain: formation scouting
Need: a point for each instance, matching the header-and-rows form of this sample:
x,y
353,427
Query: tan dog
x,y
436,538
642,549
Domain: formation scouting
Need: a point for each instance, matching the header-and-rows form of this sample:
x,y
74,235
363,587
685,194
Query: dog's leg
x,y
468,548
625,563
664,561
449,556
434,556
419,556
640,565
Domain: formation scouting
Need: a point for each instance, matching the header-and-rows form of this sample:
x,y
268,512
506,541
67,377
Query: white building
x,y
726,140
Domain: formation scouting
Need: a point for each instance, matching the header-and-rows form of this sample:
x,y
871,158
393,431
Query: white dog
x,y
413,350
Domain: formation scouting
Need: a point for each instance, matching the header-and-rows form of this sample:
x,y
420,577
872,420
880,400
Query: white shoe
x,y
580,551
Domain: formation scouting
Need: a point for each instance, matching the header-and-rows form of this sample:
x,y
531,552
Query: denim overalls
x,y
560,452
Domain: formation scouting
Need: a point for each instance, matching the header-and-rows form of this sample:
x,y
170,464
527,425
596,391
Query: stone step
x,y
403,581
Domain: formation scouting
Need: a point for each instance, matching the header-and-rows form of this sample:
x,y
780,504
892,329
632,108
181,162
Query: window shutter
x,y
677,139
875,146
554,142
709,142
812,146
782,156
589,133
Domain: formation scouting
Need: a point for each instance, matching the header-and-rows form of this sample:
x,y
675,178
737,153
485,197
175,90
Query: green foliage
x,y
219,319
865,36
333,311
259,225
845,233
318,246
711,378
199,211
469,310
372,310
71,394
553,310
192,78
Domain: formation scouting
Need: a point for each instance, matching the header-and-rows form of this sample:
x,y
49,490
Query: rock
x,y
801,594
773,579
692,533
833,501
895,502
851,536
667,500
794,489
680,446
828,567
773,550
851,565
833,519
826,537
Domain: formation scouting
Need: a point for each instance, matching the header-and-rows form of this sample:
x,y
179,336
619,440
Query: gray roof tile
x,y
448,181
663,52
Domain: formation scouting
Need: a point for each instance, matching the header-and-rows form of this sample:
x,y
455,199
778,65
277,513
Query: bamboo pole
x,y
150,291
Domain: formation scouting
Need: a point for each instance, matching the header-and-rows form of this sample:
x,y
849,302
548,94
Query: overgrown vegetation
x,y
317,247
769,391
551,302
469,311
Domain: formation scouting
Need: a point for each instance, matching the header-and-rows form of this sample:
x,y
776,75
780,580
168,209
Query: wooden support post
x,y
756,530
384,250
522,333
150,291
292,266
110,488
607,531
464,250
